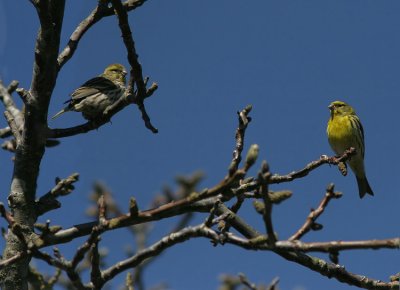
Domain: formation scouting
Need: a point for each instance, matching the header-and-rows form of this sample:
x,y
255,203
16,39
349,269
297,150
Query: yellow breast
x,y
340,133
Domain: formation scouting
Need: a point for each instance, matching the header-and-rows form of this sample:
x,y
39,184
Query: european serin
x,y
345,131
94,96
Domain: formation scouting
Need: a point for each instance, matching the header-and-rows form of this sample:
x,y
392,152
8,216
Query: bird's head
x,y
339,108
115,72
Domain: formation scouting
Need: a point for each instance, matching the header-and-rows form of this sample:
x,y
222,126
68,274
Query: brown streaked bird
x,y
95,95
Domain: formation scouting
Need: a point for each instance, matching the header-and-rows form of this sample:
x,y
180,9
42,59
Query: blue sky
x,y
289,59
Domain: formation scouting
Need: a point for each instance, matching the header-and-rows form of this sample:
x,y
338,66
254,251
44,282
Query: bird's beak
x,y
332,110
124,73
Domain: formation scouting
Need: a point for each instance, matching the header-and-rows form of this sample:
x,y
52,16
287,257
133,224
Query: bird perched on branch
x,y
344,131
94,96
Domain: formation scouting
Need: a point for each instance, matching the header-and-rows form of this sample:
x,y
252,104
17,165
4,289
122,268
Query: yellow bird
x,y
344,131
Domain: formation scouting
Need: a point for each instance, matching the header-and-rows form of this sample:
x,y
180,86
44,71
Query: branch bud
x,y
316,226
133,207
251,156
259,206
279,196
334,257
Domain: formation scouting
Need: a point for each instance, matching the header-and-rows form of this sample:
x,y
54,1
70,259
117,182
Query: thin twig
x,y
5,132
95,16
160,246
243,279
314,214
13,125
12,86
8,102
264,176
25,95
273,284
136,68
276,178
102,209
82,250
49,200
95,275
244,120
64,265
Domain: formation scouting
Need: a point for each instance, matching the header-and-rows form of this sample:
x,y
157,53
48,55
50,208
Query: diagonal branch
x,y
264,176
9,104
13,126
136,69
49,201
314,214
244,120
61,263
5,132
276,178
158,247
318,265
101,11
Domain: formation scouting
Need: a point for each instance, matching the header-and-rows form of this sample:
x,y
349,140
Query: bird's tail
x,y
59,113
363,187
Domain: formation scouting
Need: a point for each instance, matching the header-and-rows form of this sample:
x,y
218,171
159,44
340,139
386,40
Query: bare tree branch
x,y
314,214
49,201
5,132
12,86
136,68
158,247
313,263
312,166
101,11
188,204
244,120
13,125
9,104
260,243
95,275
64,265
263,177
328,247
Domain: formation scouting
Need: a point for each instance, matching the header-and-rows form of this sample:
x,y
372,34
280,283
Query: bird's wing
x,y
92,86
359,128
362,137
